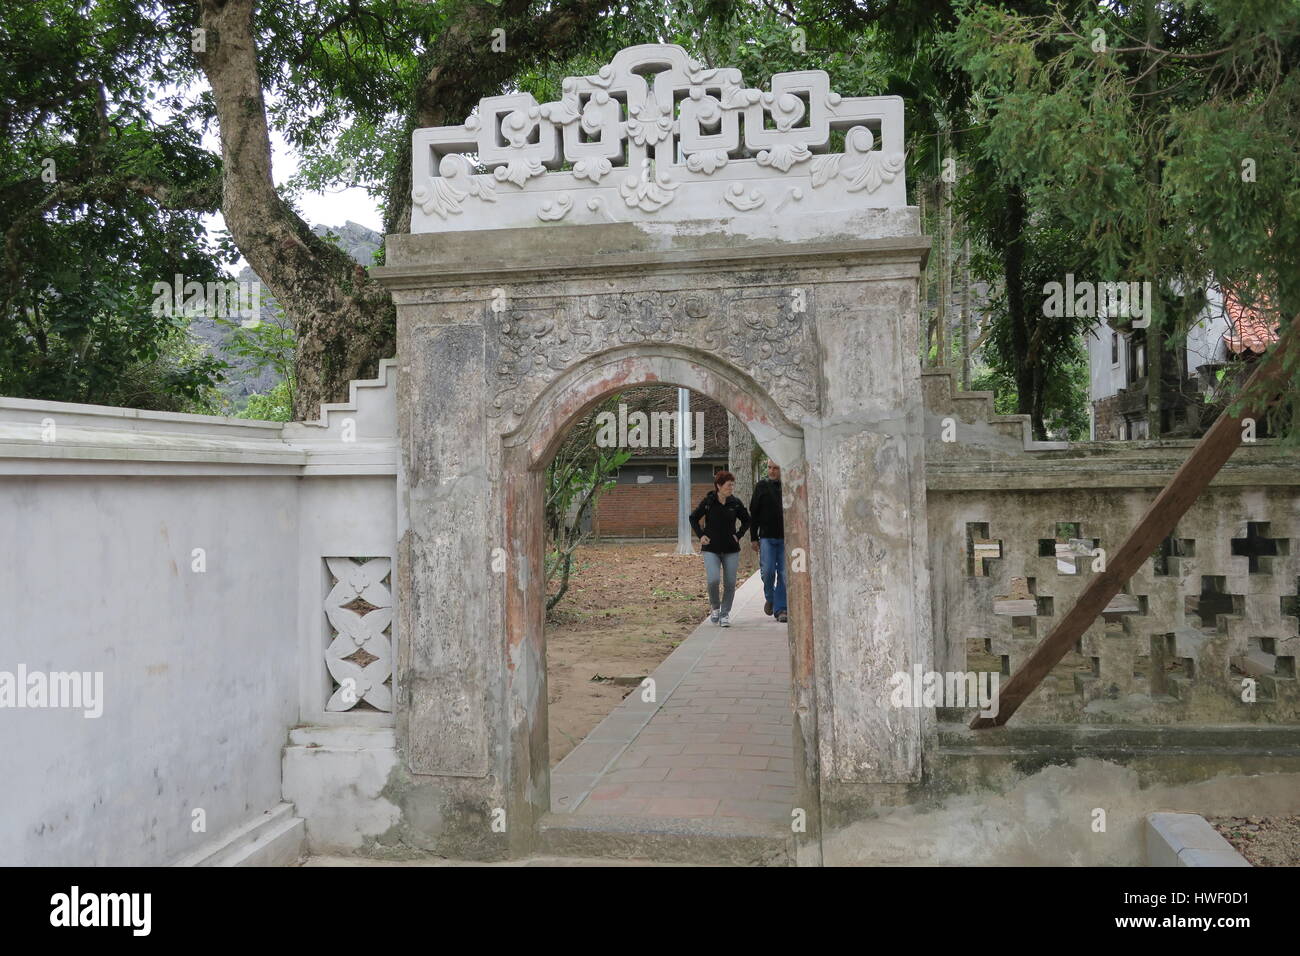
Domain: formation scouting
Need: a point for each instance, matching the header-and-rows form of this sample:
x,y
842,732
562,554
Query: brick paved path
x,y
718,741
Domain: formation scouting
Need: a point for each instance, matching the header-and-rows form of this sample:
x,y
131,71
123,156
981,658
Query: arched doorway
x,y
755,265
526,452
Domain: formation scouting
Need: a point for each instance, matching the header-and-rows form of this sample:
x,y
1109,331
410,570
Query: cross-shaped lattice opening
x,y
1291,605
1260,548
1168,558
1069,547
980,549
1022,603
980,656
1214,600
1123,604
1166,665
1263,652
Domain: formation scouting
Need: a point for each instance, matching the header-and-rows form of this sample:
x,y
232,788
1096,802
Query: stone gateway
x,y
661,223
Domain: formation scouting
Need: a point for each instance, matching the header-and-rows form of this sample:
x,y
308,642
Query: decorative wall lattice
x,y
359,657
1217,608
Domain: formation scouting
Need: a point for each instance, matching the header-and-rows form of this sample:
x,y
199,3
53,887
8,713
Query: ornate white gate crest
x,y
655,136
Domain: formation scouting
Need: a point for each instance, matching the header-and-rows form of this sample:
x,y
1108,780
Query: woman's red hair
x,y
722,477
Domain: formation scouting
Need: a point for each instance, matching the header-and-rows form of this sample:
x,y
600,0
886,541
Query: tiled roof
x,y
1251,330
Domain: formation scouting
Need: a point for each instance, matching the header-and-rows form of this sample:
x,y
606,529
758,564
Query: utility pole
x,y
684,543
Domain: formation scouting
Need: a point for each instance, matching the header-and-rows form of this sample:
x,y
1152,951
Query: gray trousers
x,y
721,567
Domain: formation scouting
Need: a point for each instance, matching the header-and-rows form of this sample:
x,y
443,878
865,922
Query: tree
x,y
98,201
354,58
580,472
1164,135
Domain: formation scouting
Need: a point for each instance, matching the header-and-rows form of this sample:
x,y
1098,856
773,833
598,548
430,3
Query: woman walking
x,y
720,542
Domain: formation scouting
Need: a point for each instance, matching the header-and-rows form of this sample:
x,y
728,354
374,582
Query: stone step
x,y
973,406
275,838
713,841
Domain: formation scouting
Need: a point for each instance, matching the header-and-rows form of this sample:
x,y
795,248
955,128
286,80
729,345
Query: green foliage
x,y
266,345
1122,163
1172,155
90,181
1001,384
275,405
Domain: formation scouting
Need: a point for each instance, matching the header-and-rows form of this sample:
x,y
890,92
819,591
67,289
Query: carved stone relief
x,y
769,335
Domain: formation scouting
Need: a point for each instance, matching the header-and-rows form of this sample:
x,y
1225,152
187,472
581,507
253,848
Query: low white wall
x,y
204,671
198,668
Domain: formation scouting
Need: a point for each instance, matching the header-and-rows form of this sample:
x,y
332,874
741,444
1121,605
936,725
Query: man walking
x,y
768,536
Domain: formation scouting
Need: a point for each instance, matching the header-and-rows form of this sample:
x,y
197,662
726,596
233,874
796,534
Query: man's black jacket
x,y
720,523
765,511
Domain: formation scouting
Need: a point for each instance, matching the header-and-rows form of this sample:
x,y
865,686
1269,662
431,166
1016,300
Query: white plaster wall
x,y
199,668
341,516
1205,339
100,511
1105,379
1205,345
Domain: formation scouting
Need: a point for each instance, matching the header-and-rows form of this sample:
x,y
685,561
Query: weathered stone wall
x,y
1108,418
503,343
1215,607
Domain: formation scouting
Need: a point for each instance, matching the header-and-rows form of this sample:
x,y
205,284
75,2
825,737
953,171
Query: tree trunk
x,y
1013,267
1155,329
740,457
344,321
965,312
941,354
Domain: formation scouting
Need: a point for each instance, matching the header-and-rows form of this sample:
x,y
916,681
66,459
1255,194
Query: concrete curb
x,y
273,838
1186,839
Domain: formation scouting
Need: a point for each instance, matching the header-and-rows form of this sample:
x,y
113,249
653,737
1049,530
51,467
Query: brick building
x,y
643,503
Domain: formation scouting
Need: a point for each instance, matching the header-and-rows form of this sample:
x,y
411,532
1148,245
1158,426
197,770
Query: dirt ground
x,y
627,607
1264,841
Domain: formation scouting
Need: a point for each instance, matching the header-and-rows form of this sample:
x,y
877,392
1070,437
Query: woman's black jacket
x,y
719,523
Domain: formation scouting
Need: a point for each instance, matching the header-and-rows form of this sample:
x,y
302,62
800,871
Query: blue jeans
x,y
721,569
771,562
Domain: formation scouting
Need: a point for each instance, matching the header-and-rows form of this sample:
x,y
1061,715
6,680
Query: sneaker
x,y
782,617
726,620
767,608
713,617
